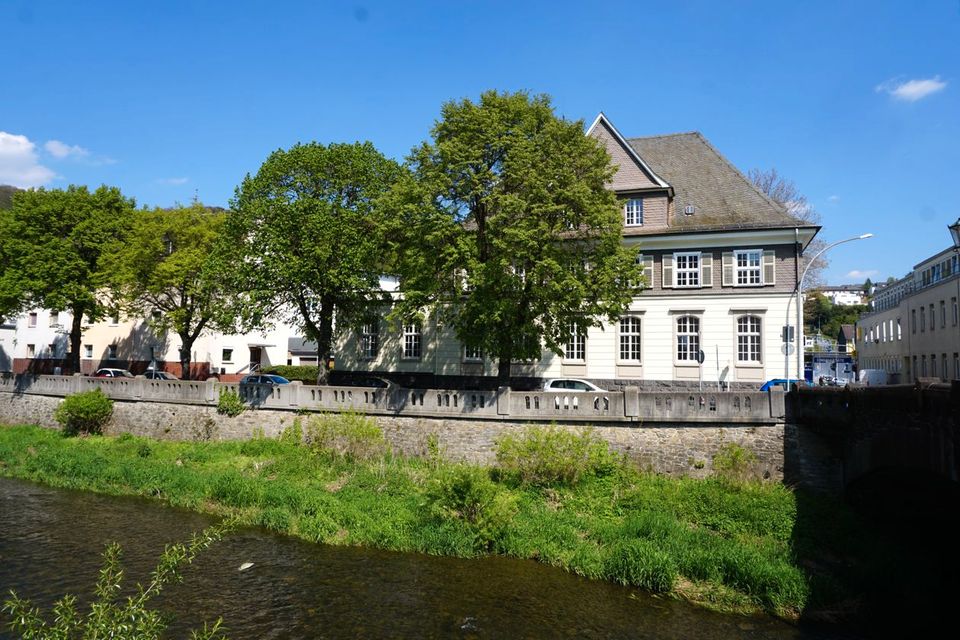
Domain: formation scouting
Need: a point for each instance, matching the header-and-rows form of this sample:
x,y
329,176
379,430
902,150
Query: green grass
x,y
726,545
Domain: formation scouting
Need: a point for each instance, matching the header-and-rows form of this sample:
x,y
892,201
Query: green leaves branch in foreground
x,y
109,615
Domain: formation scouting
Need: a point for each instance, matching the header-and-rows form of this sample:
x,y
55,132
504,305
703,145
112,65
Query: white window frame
x,y
112,352
687,341
692,273
749,340
633,212
88,351
630,340
576,347
472,354
31,351
226,357
748,271
370,340
54,318
412,341
32,320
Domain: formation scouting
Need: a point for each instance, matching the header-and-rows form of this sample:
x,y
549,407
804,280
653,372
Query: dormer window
x,y
633,212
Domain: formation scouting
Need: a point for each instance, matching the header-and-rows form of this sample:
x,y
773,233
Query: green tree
x,y
306,240
52,243
506,230
166,264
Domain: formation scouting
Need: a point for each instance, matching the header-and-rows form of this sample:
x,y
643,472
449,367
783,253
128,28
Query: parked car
x,y
264,378
570,384
159,375
783,383
108,372
371,381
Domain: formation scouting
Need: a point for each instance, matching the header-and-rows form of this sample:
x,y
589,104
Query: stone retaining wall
x,y
666,448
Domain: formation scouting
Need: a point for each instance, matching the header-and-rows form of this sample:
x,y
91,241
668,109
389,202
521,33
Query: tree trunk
x,y
76,334
186,347
324,339
503,371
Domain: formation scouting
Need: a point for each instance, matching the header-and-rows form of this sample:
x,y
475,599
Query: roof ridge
x,y
666,135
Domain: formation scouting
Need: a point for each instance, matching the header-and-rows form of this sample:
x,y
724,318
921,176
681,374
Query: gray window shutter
x,y
667,279
769,267
727,263
706,269
648,271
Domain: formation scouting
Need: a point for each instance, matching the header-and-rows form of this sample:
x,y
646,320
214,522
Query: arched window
x,y
688,338
748,339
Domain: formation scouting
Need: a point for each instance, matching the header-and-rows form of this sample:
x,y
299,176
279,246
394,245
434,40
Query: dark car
x,y
264,378
371,381
159,375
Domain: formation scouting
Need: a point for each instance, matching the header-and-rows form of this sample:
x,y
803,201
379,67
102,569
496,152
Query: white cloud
x,y
18,162
61,150
173,180
911,90
857,274
833,198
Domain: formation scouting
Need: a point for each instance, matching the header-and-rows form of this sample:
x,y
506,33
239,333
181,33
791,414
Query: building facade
x,y
39,341
721,263
913,329
843,294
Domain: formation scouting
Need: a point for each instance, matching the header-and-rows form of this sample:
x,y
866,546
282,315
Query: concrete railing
x,y
628,405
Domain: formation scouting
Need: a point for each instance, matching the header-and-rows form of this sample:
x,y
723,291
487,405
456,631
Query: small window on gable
x,y
633,212
226,355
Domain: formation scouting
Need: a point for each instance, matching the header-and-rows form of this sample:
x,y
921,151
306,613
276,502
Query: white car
x,y
570,384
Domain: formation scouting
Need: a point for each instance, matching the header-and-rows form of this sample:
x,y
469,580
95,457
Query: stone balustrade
x,y
629,405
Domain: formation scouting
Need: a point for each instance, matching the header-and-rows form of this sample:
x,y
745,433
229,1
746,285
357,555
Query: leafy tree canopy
x,y
305,238
52,243
506,230
165,264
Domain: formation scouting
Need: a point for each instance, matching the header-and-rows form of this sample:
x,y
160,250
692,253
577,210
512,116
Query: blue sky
x,y
857,102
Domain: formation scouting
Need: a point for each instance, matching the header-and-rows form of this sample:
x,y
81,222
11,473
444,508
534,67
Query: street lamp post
x,y
799,331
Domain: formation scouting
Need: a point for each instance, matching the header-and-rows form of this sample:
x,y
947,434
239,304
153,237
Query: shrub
x,y
230,403
734,462
551,457
86,412
468,494
642,564
306,374
112,613
349,435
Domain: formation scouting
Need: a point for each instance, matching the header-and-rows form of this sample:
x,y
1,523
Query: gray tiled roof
x,y
700,176
301,345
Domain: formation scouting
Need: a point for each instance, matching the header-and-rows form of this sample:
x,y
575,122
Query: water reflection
x,y
50,544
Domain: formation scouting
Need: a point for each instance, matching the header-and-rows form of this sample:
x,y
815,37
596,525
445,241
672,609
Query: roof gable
x,y
632,172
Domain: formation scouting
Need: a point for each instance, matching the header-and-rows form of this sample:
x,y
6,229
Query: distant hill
x,y
6,195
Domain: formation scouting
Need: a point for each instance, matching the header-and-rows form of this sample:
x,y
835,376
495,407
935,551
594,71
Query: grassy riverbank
x,y
731,545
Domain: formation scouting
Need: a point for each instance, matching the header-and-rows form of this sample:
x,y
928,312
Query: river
x,y
51,540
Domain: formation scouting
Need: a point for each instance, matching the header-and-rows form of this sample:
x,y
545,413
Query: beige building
x,y
721,263
913,330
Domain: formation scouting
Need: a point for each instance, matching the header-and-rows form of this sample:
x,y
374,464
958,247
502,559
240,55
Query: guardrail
x,y
628,405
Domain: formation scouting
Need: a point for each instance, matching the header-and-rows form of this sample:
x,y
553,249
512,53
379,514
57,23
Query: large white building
x,y
721,263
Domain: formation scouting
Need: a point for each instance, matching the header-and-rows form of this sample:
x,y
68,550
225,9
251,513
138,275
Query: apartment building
x,y
913,329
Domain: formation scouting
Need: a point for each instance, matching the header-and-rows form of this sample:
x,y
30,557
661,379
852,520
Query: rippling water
x,y
51,540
